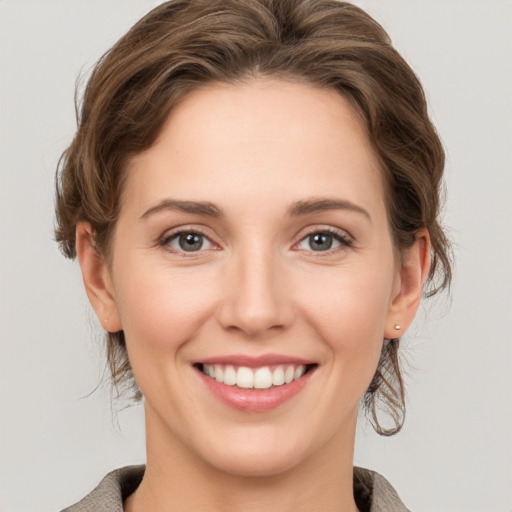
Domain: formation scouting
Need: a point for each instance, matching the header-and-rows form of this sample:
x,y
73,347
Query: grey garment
x,y
372,492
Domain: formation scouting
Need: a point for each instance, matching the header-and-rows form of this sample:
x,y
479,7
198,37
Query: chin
x,y
252,457
257,466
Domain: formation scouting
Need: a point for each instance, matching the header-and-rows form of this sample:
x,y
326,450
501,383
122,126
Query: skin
x,y
257,286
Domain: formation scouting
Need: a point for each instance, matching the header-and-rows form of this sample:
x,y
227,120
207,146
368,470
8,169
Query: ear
x,y
408,291
97,279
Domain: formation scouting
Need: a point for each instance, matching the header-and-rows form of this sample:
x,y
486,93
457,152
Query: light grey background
x,y
455,451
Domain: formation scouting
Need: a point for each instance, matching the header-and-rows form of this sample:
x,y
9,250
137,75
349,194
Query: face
x,y
254,276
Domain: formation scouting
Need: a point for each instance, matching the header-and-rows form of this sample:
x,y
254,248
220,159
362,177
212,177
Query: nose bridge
x,y
255,300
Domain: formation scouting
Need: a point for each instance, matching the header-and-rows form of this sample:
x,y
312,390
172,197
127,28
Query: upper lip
x,y
255,361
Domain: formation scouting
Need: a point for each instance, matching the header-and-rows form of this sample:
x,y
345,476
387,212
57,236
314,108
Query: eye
x,y
188,241
322,241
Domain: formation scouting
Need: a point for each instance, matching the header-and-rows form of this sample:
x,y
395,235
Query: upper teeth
x,y
259,378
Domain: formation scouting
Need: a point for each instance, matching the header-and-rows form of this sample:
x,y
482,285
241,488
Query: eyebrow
x,y
318,205
198,207
303,207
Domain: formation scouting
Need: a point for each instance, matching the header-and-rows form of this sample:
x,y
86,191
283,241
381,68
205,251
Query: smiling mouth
x,y
264,377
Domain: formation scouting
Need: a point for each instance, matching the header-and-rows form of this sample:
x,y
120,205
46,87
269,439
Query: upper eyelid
x,y
342,233
326,229
172,233
186,228
298,237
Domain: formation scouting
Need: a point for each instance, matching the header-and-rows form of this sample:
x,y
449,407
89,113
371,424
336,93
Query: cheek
x,y
161,309
349,301
348,309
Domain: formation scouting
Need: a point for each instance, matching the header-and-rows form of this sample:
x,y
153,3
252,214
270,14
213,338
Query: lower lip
x,y
255,400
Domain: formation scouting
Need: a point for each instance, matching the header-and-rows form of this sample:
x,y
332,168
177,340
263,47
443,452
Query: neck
x,y
177,478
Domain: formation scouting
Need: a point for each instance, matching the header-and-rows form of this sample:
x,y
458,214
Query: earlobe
x,y
412,276
97,280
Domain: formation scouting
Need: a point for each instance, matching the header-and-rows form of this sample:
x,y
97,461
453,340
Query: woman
x,y
253,197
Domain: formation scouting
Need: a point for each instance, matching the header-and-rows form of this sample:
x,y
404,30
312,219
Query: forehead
x,y
260,139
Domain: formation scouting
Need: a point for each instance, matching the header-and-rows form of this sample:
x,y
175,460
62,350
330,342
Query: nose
x,y
256,296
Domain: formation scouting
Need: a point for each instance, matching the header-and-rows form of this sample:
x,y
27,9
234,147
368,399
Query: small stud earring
x,y
397,327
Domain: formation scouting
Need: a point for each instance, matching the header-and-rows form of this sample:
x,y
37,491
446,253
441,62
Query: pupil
x,y
191,241
321,242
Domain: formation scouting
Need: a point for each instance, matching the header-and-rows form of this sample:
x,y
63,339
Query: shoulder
x,y
111,491
373,493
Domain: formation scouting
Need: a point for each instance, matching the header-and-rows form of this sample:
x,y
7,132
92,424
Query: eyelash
x,y
340,236
167,238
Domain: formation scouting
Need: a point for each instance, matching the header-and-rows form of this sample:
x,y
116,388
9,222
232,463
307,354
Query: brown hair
x,y
183,44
